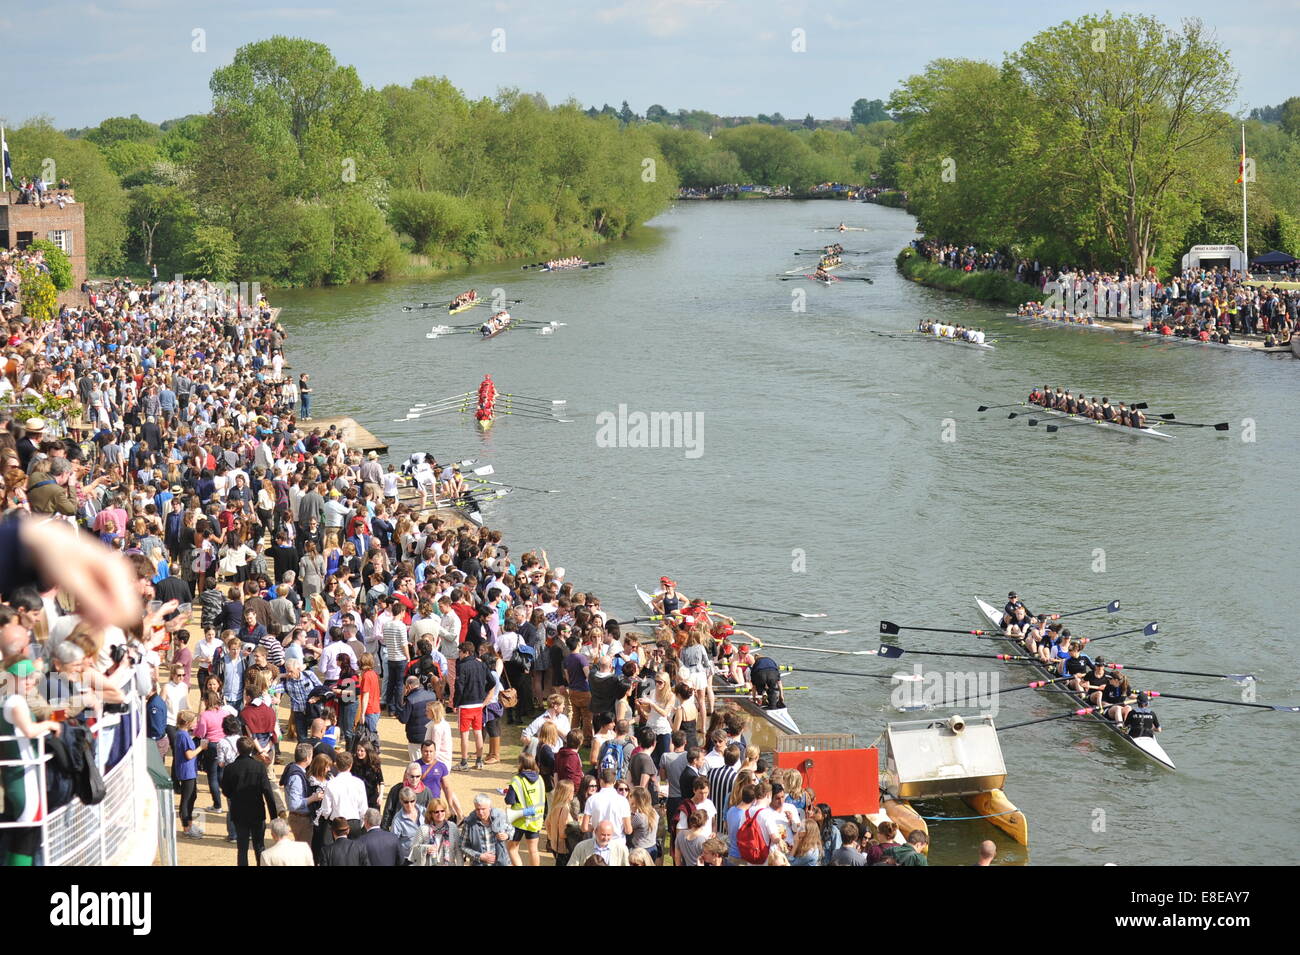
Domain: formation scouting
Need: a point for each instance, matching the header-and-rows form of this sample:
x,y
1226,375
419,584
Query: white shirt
x,y
714,760
561,722
329,664
608,805
176,696
709,809
774,822
345,796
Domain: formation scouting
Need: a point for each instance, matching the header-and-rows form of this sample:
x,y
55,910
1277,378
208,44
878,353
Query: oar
x,y
847,653
815,633
1150,630
893,629
1112,607
1045,719
1035,685
741,691
463,394
517,487
1207,699
992,407
894,653
542,417
783,613
853,278
1221,426
1234,677
553,401
869,676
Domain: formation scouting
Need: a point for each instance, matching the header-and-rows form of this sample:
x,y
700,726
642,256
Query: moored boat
x,y
1086,326
1148,746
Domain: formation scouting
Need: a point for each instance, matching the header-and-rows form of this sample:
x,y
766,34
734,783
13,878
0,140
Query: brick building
x,y
20,223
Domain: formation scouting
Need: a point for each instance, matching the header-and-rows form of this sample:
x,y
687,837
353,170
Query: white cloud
x,y
661,18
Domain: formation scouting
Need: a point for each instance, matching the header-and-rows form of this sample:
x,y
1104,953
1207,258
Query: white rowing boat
x,y
1122,429
1146,745
778,718
1082,326
987,346
1175,340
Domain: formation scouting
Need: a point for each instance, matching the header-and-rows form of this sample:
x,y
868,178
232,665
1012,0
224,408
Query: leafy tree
x,y
656,113
130,158
212,253
56,260
809,122
39,298
1290,116
625,114
868,111
119,129
160,207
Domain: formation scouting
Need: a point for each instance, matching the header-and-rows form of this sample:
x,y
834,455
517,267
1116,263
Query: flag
x,y
1241,168
8,167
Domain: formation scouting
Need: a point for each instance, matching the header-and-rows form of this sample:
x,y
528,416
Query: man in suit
x,y
245,783
344,851
381,846
603,844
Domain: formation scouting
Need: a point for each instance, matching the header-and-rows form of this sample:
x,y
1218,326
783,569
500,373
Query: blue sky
x,y
726,56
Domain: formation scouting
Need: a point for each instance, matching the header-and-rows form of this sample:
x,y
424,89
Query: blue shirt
x,y
183,768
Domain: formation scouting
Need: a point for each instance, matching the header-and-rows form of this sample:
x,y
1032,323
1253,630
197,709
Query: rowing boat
x,y
1176,340
1109,425
987,346
1085,326
463,307
765,721
497,331
1146,745
562,268
485,424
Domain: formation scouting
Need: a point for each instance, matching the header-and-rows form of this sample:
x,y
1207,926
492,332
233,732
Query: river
x,y
824,480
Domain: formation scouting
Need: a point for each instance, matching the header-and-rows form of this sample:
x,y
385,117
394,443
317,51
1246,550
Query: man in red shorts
x,y
471,691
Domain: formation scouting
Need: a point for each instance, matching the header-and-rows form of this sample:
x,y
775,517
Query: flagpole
x,y
1245,250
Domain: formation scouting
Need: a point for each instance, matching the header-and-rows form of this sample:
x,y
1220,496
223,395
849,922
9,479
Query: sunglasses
x,y
440,812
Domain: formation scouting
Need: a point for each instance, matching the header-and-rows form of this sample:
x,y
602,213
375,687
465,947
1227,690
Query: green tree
x,y
212,253
1134,131
655,113
625,114
56,260
868,111
39,298
118,129
809,122
160,208
1290,116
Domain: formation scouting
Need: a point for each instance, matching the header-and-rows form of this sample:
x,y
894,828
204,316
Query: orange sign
x,y
848,780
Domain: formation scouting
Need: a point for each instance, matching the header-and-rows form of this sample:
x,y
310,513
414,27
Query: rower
x,y
843,227
1009,611
668,601
1140,720
487,393
1137,417
1115,698
765,680
1107,412
1095,681
1076,667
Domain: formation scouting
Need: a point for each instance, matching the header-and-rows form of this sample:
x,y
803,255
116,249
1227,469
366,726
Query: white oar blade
x,y
485,470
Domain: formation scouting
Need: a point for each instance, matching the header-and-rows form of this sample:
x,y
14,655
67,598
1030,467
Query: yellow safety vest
x,y
530,794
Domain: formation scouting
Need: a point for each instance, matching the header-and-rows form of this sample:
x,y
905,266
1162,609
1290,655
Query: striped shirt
x,y
721,779
395,639
274,649
300,689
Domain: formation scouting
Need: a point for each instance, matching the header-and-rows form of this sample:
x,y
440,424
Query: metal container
x,y
943,757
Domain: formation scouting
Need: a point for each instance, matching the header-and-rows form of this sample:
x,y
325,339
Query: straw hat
x,y
35,425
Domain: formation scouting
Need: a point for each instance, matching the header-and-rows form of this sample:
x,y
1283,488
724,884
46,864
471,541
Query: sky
x,y
731,57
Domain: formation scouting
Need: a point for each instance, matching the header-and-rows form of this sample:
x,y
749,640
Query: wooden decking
x,y
354,435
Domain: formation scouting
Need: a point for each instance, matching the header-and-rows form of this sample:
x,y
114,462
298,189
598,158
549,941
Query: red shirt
x,y
466,614
370,689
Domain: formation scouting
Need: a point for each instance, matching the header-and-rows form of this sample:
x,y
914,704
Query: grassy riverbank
x,y
984,286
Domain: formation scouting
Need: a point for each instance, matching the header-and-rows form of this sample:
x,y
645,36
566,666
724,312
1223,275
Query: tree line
x,y
1105,142
301,175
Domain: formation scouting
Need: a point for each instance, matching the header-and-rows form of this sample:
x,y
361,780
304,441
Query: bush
x,y
57,261
39,298
985,286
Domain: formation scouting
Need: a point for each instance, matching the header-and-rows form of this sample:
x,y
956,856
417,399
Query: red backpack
x,y
751,839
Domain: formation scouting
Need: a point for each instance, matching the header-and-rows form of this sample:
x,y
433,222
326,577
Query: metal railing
x,y
118,828
806,742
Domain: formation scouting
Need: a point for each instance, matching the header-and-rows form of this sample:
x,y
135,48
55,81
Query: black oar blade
x,y
982,408
1151,629
1051,428
890,628
888,652
1221,426
1033,423
1112,607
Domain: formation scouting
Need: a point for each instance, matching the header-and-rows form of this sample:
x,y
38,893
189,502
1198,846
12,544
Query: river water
x,y
848,472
